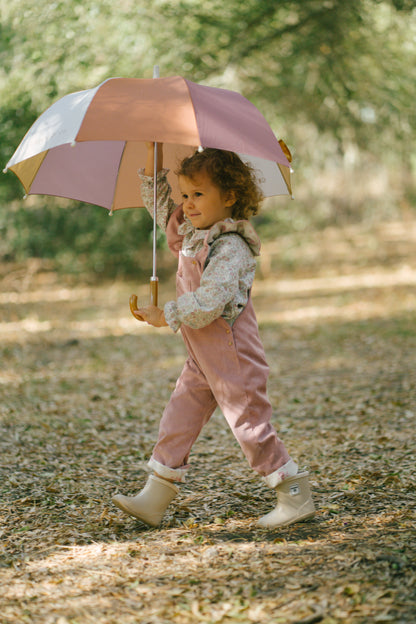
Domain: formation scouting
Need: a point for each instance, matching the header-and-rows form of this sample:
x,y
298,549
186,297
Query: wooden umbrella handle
x,y
154,295
133,307
154,291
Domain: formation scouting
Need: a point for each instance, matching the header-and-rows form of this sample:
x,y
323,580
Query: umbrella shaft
x,y
154,209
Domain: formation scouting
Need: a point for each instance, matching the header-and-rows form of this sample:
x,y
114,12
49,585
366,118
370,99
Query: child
x,y
216,246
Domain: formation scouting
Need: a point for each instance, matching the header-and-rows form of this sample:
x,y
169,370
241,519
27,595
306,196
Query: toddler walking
x,y
216,247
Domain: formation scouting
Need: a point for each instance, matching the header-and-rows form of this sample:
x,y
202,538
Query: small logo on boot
x,y
294,489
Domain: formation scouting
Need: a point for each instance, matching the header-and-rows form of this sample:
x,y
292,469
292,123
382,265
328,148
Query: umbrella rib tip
x,y
5,170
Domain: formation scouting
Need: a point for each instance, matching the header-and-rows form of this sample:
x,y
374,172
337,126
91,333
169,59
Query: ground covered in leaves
x,y
82,387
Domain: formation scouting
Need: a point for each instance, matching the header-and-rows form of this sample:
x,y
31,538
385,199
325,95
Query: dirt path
x,y
82,386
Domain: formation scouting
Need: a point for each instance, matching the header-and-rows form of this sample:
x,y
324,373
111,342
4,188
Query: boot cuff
x,y
178,474
290,469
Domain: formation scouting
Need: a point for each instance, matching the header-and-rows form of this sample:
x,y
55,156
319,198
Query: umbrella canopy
x,y
88,145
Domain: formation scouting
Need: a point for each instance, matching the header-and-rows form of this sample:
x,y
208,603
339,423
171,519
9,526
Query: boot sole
x,y
303,518
129,512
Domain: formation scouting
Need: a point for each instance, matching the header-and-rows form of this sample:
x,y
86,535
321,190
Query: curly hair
x,y
229,173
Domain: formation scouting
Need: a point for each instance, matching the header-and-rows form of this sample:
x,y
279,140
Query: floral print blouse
x,y
229,272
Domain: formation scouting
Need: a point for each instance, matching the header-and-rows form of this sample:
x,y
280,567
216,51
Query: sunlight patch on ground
x,y
95,328
46,295
356,311
401,276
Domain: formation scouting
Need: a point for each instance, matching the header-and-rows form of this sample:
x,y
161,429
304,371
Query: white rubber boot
x,y
150,504
294,503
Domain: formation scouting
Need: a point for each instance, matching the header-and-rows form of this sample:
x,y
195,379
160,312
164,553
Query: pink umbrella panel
x,y
88,145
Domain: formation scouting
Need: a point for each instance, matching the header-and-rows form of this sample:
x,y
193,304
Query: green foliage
x,y
79,238
48,49
346,67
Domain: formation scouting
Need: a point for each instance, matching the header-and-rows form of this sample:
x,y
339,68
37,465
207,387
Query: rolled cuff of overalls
x,y
177,474
289,469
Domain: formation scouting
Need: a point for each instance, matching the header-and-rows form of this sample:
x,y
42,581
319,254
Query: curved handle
x,y
133,307
154,296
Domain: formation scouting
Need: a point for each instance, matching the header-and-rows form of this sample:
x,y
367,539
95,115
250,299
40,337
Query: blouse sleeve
x,y
165,204
229,260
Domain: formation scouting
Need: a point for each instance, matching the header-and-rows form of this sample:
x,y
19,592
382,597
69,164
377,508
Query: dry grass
x,y
82,387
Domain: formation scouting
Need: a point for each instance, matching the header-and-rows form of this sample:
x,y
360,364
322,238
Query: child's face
x,y
204,203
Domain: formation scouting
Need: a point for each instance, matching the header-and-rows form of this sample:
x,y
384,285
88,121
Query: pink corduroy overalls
x,y
226,366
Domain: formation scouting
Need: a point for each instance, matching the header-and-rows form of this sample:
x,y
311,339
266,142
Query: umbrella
x,y
88,145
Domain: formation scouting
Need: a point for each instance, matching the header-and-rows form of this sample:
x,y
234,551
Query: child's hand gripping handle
x,y
154,295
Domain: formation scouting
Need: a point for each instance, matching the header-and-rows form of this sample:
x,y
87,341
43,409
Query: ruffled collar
x,y
186,227
243,228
